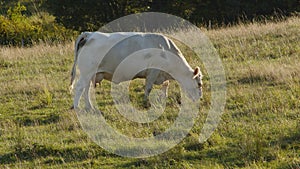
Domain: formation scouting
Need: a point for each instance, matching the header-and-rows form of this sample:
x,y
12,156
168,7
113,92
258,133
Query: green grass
x,y
260,127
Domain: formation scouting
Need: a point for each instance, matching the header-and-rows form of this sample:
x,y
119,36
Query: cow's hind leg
x,y
83,85
87,98
78,92
96,79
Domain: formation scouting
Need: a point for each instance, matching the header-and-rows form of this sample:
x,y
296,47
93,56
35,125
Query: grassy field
x,y
260,127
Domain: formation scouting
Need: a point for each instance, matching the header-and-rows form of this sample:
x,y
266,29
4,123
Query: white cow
x,y
99,54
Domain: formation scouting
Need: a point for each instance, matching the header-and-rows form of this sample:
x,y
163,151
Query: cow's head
x,y
194,87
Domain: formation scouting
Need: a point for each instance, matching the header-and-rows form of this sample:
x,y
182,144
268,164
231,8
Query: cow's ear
x,y
197,72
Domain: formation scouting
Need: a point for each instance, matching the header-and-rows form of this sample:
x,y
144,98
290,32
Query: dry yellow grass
x,y
255,29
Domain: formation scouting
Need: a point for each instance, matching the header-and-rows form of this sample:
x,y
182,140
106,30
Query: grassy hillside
x,y
260,127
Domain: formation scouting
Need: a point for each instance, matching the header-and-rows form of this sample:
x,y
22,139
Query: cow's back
x,y
129,45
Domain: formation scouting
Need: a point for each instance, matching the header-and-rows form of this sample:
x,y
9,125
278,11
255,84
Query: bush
x,y
17,29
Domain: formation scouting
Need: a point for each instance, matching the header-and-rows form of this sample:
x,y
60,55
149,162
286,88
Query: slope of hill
x,y
259,129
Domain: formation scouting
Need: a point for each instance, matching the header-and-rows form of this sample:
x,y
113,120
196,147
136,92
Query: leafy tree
x,y
91,14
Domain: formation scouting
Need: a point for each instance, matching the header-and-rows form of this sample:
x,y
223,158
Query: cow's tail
x,y
80,41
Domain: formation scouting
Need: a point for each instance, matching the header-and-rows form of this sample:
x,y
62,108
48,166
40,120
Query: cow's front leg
x,y
164,89
150,79
148,89
98,79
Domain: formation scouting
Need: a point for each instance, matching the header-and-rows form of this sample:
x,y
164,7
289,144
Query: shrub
x,y
17,29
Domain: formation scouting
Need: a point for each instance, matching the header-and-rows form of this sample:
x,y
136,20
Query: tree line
x,y
89,15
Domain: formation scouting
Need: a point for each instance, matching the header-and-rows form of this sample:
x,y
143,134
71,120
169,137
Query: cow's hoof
x,y
72,107
147,104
